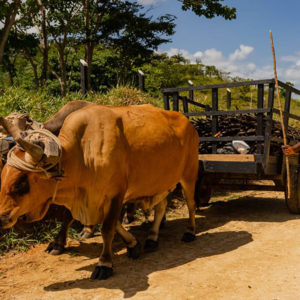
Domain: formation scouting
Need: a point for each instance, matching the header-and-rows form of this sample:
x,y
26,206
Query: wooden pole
x,y
141,80
84,76
228,99
288,177
191,92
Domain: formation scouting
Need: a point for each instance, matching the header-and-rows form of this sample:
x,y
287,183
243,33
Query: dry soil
x,y
247,247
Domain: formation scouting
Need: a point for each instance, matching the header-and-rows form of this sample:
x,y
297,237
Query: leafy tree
x,y
209,8
120,25
19,43
137,40
8,12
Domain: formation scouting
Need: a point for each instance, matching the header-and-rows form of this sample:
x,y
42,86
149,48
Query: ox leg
x,y
58,245
151,243
104,267
87,231
133,245
188,191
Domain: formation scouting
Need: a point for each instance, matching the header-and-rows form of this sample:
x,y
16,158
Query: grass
x,y
41,106
39,233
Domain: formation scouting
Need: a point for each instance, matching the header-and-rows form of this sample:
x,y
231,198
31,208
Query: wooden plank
x,y
227,157
292,116
287,106
166,102
269,124
229,112
252,187
175,101
288,87
222,85
260,104
185,105
231,138
230,167
215,106
207,107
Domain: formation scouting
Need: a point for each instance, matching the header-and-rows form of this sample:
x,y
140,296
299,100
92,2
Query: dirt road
x,y
246,248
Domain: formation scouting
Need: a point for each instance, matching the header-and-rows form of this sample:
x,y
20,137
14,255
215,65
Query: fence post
x,y
84,76
141,80
228,98
191,92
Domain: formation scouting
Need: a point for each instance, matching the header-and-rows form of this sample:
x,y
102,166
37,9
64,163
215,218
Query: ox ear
x,y
34,150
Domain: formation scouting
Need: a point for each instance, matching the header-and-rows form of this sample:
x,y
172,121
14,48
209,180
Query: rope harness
x,y
14,161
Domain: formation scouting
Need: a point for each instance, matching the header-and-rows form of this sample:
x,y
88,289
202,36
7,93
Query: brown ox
x,y
111,155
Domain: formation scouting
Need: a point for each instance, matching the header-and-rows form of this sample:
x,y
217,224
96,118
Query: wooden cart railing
x,y
263,134
218,168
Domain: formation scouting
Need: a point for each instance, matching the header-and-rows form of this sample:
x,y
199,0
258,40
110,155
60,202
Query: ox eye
x,y
21,186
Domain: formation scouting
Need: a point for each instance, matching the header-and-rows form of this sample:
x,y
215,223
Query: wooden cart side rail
x,y
287,114
288,87
228,112
229,85
221,85
253,138
227,157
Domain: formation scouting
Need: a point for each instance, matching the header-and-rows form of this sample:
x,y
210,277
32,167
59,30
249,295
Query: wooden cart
x,y
237,171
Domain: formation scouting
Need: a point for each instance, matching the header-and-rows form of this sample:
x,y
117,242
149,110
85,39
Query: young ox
x,y
110,156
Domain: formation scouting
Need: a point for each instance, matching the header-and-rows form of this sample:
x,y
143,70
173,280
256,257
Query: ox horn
x,y
34,150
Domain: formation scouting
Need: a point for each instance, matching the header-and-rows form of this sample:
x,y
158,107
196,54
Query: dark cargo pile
x,y
241,125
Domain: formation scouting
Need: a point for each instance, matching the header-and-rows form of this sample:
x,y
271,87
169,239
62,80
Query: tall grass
x,y
41,106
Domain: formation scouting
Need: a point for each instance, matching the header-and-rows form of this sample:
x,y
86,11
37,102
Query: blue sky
x,y
242,46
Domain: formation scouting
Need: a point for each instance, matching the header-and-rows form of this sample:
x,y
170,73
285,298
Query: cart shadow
x,y
248,208
131,276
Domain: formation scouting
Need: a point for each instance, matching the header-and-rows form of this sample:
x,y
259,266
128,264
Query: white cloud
x,y
238,63
242,53
232,64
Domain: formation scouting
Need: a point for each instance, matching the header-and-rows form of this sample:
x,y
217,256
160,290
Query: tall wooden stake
x,y
288,177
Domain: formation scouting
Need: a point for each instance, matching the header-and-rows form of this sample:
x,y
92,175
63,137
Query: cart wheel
x,y
202,193
293,202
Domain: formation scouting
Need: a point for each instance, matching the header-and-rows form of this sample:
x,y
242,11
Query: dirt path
x,y
246,248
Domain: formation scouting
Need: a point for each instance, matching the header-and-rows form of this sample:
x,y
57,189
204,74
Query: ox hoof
x,y
188,237
150,245
55,248
84,234
135,251
102,273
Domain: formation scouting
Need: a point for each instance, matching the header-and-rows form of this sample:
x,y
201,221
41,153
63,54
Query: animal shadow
x,y
131,276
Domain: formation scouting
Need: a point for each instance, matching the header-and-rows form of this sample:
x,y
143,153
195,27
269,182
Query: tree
x,y
137,40
209,8
119,24
8,12
24,44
